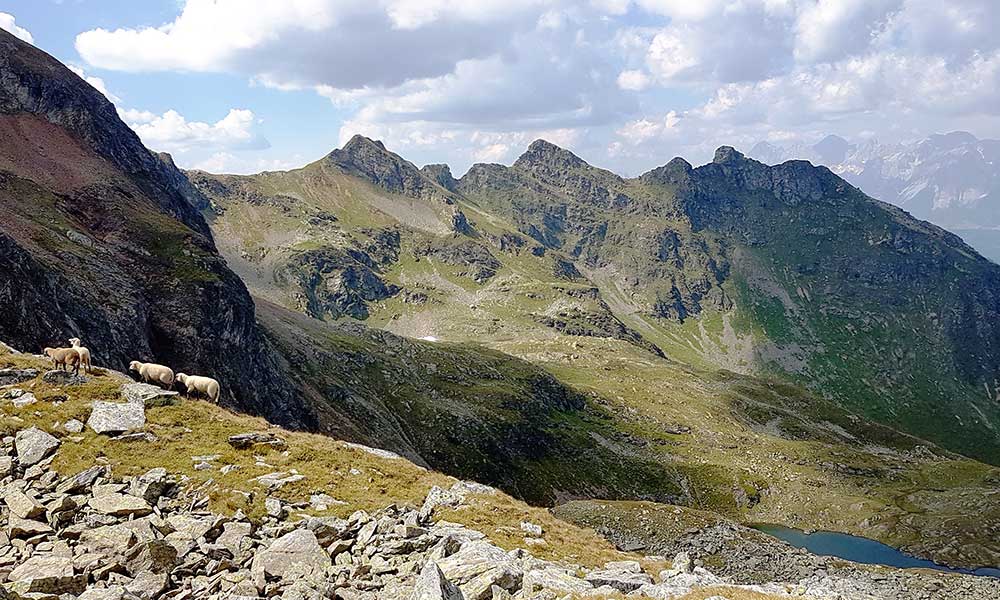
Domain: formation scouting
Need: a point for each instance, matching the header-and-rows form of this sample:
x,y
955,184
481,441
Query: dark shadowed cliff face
x,y
100,239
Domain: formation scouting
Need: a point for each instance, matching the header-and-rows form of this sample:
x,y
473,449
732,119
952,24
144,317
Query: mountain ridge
x,y
950,179
102,239
678,242
585,335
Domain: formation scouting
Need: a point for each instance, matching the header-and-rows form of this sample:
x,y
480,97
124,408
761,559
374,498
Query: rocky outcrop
x,y
440,174
369,160
475,259
333,282
101,239
93,536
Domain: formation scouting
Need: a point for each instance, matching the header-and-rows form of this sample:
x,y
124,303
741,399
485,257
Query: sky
x,y
243,86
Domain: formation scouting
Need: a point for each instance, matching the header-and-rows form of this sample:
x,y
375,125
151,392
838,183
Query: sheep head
x,y
134,365
180,377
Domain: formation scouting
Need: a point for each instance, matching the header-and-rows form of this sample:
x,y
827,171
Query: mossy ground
x,y
359,479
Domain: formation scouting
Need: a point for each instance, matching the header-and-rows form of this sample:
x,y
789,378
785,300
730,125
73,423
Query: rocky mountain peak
x,y
727,155
832,149
33,82
542,152
359,143
674,172
370,160
441,175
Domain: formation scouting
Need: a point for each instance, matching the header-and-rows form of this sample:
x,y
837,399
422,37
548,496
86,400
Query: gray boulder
x,y
47,574
81,481
33,445
25,528
151,485
59,377
116,417
20,399
120,505
154,556
15,376
73,426
432,585
242,441
23,505
294,554
148,395
478,566
621,580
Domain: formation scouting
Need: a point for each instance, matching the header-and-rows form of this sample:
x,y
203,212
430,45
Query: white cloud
x,y
832,29
631,81
901,68
171,132
642,130
7,24
227,162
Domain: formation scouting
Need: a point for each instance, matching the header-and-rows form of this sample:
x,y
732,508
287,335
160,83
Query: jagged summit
x,y
542,152
441,174
673,172
727,155
360,141
370,160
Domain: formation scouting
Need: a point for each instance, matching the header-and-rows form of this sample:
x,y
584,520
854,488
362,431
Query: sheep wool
x,y
203,385
64,357
83,352
153,373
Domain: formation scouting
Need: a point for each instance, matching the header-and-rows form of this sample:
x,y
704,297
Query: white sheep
x,y
204,385
83,352
153,373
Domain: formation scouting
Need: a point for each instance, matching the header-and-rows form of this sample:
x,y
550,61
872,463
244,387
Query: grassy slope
x,y
897,366
359,479
759,450
196,428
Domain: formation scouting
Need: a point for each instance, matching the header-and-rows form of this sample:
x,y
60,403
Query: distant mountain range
x,y
768,343
952,180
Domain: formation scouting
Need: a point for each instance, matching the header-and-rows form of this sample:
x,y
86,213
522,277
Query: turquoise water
x,y
860,550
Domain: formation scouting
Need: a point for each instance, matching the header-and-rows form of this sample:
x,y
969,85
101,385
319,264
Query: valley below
x,y
568,379
636,407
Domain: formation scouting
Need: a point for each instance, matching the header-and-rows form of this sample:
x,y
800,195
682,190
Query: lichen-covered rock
x,y
63,378
15,376
433,585
33,445
116,417
47,575
148,395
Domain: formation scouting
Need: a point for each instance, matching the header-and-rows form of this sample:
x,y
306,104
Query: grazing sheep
x,y
83,352
153,373
63,357
204,385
